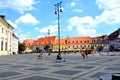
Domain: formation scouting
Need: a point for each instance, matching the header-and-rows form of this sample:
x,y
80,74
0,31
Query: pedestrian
x,y
59,57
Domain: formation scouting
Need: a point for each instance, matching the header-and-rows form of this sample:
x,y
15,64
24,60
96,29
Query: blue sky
x,y
32,18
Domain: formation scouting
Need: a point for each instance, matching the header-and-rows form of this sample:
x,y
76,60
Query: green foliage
x,y
46,47
92,47
21,47
37,48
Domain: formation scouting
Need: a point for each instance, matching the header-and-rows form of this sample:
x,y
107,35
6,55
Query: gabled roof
x,y
74,40
28,42
44,41
15,35
3,18
115,32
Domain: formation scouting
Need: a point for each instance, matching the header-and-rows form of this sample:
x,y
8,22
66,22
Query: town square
x,y
59,40
30,67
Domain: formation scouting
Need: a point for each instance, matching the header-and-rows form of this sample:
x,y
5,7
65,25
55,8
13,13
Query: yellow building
x,y
5,37
63,46
74,44
28,43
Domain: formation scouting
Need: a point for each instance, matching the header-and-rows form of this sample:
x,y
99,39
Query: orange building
x,y
42,42
28,43
74,44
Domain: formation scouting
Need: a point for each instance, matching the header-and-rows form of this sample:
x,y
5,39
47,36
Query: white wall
x,y
15,44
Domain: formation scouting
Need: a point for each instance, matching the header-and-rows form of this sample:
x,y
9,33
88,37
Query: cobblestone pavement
x,y
30,67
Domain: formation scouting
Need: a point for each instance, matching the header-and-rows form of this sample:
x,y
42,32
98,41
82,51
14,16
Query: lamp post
x,y
58,9
49,42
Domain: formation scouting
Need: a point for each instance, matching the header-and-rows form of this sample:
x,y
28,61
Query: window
x,y
2,30
65,48
6,32
6,46
76,41
29,44
68,46
1,45
77,46
73,46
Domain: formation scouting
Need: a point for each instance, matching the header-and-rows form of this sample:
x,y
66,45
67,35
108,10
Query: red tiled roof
x,y
45,41
75,40
28,42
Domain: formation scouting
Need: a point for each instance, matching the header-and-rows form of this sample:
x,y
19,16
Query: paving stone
x,y
58,65
37,64
117,64
94,63
37,69
8,74
18,66
75,67
113,68
96,75
102,61
66,72
71,63
84,67
4,64
38,78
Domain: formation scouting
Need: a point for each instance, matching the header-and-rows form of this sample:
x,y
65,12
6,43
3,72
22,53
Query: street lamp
x,y
49,42
58,9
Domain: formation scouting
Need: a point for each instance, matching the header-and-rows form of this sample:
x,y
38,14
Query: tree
x,y
92,47
21,47
46,47
37,49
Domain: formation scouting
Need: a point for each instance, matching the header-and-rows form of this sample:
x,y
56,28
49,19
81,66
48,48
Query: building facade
x,y
5,37
39,44
114,40
74,44
28,43
15,42
101,41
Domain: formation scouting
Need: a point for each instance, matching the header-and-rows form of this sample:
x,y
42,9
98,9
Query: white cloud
x,y
76,21
21,35
111,4
24,36
72,4
111,13
82,25
40,36
12,23
109,17
70,28
19,5
78,10
52,28
44,31
85,31
27,19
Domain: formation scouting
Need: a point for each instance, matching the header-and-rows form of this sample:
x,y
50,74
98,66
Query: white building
x,y
5,37
15,40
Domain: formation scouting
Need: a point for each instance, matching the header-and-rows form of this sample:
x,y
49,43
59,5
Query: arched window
x,y
1,45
